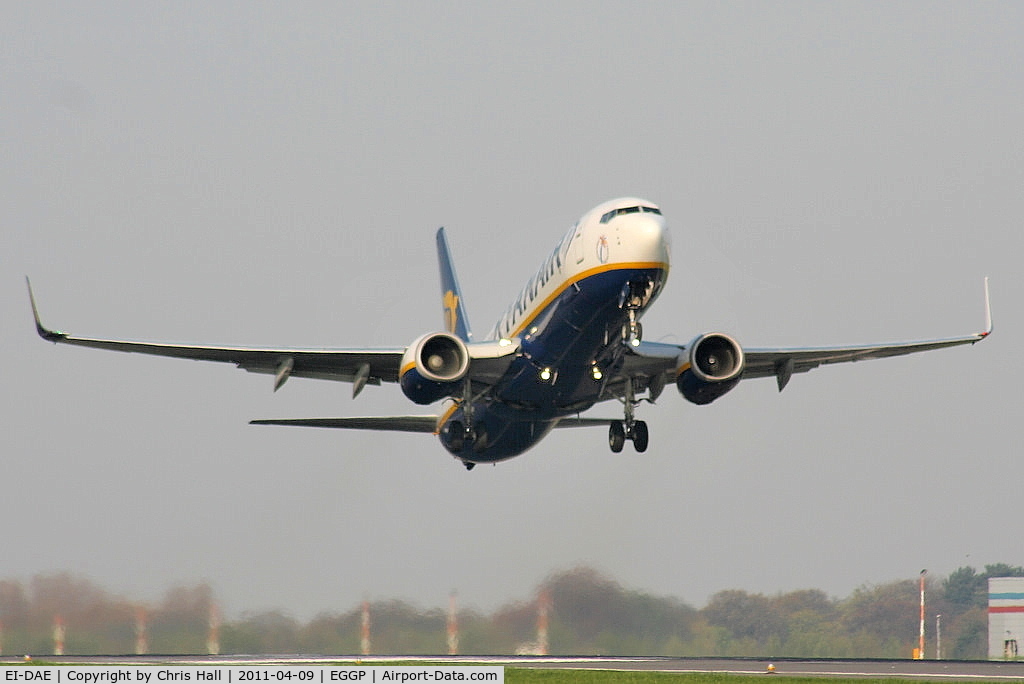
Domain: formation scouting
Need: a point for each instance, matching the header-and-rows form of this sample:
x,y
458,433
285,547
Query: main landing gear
x,y
635,430
618,433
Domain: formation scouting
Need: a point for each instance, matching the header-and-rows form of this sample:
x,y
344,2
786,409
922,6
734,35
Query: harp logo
x,y
451,311
602,249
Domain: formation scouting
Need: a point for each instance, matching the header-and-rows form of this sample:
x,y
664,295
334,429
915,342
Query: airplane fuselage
x,y
571,320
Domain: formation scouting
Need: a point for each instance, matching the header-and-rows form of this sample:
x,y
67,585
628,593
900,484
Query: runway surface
x,y
933,670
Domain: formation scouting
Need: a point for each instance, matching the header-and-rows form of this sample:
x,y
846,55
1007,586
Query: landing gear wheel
x,y
616,436
640,436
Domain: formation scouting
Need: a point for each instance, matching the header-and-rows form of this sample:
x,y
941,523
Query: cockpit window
x,y
629,210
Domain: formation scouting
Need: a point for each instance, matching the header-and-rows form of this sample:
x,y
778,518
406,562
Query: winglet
x,y
44,332
455,320
988,312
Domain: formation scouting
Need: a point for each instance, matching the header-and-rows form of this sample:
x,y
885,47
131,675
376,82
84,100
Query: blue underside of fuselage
x,y
580,328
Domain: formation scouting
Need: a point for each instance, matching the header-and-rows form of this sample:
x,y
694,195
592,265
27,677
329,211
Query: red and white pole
x,y
365,641
920,644
213,636
141,635
453,626
543,604
59,632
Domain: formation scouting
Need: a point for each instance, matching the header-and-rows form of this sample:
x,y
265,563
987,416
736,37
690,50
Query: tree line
x,y
588,613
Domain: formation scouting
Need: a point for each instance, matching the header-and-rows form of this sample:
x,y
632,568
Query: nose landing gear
x,y
633,330
633,298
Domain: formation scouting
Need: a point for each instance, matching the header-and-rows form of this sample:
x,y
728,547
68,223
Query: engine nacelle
x,y
433,366
711,368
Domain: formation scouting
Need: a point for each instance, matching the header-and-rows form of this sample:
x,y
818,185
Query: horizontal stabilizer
x,y
577,421
426,424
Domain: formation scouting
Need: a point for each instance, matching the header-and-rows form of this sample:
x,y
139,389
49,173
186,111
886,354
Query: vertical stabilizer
x,y
455,320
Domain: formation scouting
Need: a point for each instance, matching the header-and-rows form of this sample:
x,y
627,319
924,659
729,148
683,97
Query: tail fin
x,y
455,320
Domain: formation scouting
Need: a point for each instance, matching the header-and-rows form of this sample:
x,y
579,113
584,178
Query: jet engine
x,y
433,366
711,367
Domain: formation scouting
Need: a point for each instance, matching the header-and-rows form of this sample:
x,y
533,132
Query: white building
x,y
1005,618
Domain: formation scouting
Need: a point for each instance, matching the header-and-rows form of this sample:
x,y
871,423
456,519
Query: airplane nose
x,y
649,237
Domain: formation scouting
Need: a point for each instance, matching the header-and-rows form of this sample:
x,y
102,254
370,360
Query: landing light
x,y
545,374
504,342
635,342
597,373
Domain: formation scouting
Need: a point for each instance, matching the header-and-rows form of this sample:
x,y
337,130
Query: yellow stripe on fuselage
x,y
583,275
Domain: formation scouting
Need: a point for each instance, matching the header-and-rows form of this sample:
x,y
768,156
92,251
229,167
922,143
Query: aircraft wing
x,y
783,362
358,366
651,358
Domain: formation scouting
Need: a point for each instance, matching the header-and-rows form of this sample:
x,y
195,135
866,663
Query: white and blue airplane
x,y
571,339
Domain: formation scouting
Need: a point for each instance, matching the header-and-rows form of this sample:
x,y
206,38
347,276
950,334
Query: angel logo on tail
x,y
451,311
453,304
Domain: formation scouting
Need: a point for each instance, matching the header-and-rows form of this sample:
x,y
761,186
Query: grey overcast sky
x,y
272,174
